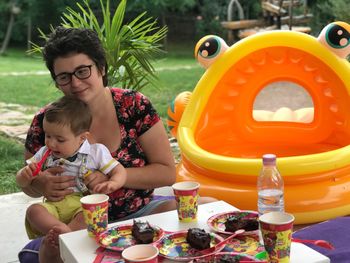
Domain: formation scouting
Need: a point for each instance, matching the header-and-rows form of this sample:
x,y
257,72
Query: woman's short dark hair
x,y
63,41
70,111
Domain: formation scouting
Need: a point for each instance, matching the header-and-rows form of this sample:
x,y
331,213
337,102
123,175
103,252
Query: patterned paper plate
x,y
222,256
175,247
119,237
246,244
217,222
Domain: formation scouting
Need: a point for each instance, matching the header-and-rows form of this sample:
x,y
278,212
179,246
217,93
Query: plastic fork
x,y
39,165
213,248
319,242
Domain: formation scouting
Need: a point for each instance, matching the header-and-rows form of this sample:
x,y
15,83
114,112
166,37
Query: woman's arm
x,y
161,168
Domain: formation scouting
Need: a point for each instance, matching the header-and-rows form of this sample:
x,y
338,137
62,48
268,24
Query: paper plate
x,y
226,255
246,244
175,247
217,222
119,237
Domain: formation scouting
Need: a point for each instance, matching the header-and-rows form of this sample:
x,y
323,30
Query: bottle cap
x,y
269,159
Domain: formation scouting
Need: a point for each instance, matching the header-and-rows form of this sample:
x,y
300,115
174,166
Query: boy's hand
x,y
114,183
25,175
106,187
95,178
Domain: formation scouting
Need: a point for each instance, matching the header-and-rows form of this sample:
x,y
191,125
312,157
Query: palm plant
x,y
130,47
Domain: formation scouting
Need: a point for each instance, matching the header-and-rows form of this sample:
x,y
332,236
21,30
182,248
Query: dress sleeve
x,y
35,136
145,115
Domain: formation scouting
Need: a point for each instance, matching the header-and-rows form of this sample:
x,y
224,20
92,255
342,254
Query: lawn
x,y
177,71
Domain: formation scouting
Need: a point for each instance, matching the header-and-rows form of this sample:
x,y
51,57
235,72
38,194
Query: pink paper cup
x,y
186,196
141,253
276,230
95,209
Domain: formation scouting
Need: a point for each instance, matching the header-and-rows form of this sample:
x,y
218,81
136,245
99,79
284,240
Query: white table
x,y
78,247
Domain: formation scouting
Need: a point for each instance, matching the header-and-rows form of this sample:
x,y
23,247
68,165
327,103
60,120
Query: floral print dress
x,y
135,115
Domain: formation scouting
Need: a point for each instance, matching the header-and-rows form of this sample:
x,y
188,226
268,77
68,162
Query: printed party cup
x,y
95,209
276,229
186,196
141,253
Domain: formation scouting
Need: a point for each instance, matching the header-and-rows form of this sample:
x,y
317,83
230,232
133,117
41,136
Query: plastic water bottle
x,y
270,187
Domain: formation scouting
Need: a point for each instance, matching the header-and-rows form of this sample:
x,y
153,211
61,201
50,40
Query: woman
x,y
123,120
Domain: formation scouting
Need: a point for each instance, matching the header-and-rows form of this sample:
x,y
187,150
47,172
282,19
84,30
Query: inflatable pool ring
x,y
222,143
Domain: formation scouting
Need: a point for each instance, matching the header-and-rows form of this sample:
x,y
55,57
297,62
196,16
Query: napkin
x,y
336,231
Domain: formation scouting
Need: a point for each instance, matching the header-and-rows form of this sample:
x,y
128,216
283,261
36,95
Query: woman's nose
x,y
75,81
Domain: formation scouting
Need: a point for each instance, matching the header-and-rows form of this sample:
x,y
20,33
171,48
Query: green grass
x,y
177,71
11,160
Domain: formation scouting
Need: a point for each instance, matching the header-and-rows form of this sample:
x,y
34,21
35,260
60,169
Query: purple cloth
x,y
30,253
336,231
163,197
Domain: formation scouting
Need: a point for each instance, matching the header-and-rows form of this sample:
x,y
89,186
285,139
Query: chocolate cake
x,y
142,232
198,238
234,223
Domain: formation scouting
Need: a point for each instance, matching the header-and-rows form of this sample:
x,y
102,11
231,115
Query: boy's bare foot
x,y
49,251
53,234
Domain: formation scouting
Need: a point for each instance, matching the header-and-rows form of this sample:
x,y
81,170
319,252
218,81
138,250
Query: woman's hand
x,y
51,186
94,179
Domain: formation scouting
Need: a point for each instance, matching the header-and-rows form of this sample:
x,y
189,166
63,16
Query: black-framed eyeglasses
x,y
83,72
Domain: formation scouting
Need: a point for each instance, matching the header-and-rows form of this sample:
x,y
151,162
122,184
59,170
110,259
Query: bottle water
x,y
270,187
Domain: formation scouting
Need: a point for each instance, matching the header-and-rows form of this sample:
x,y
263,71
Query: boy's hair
x,y
70,111
64,41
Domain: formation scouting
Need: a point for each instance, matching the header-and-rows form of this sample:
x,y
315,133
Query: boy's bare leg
x,y
41,220
49,250
77,222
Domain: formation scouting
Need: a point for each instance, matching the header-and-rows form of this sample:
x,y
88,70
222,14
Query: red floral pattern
x,y
135,115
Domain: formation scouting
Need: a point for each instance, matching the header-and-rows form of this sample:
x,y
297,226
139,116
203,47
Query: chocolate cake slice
x,y
234,223
142,232
198,238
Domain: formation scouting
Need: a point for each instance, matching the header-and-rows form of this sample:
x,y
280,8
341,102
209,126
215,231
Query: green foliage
x,y
11,160
130,47
159,7
327,11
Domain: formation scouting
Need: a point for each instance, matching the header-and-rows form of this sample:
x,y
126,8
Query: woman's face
x,y
86,88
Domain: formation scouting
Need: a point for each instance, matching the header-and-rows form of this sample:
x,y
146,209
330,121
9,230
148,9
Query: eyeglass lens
x,y
81,73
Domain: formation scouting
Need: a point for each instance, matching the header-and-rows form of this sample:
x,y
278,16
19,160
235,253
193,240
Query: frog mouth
x,y
220,139
218,122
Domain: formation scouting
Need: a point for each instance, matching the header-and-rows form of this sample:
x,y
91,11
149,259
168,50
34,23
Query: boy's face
x,y
61,140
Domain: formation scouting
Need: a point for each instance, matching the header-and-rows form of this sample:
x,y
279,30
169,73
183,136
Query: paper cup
x,y
276,229
141,253
186,196
95,209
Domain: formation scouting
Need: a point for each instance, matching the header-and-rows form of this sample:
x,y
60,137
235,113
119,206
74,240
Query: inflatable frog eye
x,y
336,37
208,49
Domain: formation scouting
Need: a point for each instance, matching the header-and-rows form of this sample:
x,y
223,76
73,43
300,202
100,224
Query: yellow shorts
x,y
64,210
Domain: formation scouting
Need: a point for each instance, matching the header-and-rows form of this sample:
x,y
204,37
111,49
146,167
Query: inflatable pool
x,y
222,142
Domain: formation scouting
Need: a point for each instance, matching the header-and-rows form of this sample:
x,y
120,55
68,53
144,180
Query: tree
x,y
14,10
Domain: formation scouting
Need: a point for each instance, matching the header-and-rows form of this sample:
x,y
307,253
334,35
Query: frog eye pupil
x,y
210,48
337,37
